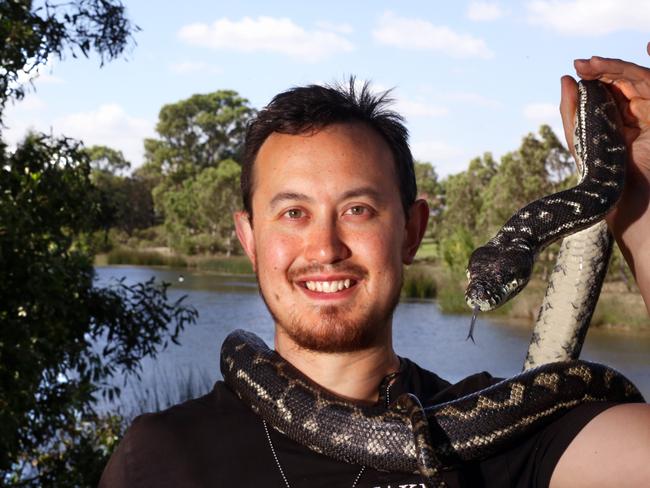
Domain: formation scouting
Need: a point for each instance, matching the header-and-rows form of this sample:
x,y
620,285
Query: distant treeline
x,y
183,195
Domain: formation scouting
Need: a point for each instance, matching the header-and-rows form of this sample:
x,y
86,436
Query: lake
x,y
434,340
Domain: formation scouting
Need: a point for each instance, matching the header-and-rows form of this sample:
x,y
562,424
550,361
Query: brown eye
x,y
357,210
294,213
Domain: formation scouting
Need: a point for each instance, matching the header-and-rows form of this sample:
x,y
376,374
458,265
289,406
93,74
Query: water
x,y
435,341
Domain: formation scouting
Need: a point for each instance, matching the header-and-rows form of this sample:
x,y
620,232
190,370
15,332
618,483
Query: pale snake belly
x,y
410,438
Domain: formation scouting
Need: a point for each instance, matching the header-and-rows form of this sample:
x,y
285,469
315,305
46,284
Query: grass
x,y
222,264
134,257
166,391
428,250
419,282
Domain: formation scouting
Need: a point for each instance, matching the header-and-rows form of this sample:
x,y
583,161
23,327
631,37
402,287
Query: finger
x,y
634,79
568,105
639,108
623,104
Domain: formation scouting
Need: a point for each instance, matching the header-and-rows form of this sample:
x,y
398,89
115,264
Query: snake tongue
x,y
470,334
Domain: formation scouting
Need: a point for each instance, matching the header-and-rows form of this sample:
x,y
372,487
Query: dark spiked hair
x,y
310,108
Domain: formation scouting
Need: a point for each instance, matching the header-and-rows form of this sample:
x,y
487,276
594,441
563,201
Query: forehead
x,y
331,159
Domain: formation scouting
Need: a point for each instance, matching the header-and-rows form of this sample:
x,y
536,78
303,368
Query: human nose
x,y
326,244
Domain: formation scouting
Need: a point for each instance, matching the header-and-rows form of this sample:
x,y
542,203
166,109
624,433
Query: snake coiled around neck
x,y
409,437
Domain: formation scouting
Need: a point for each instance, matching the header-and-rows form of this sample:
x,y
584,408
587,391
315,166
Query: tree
x,y
62,339
195,134
459,230
430,189
199,213
540,166
127,202
53,317
32,34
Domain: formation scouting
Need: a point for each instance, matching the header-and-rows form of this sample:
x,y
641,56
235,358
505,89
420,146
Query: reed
x,y
222,264
122,255
167,390
419,282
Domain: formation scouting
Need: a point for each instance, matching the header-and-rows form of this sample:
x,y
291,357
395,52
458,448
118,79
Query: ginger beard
x,y
339,328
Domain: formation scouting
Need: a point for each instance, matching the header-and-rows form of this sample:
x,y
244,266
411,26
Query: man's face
x,y
328,237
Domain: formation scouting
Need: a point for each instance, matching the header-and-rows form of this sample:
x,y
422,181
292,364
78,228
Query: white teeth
x,y
328,286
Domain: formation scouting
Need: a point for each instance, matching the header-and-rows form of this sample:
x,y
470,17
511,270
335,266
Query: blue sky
x,y
469,76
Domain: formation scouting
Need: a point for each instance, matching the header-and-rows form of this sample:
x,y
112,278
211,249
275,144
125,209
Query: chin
x,y
332,332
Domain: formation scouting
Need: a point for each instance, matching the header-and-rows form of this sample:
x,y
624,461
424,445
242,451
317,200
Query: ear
x,y
244,229
416,225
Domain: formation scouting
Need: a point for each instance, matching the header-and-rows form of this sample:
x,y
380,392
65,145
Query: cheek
x,y
278,251
381,250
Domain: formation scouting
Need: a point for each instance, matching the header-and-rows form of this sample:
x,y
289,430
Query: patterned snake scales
x,y
410,438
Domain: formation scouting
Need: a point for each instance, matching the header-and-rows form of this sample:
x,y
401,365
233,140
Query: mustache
x,y
355,270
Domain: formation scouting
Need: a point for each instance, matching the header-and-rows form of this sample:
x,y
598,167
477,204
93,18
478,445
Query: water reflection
x,y
435,341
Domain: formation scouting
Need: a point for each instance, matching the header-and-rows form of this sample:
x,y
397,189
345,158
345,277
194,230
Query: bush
x,y
419,283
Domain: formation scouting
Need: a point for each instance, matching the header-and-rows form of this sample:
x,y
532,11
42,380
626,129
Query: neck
x,y
352,375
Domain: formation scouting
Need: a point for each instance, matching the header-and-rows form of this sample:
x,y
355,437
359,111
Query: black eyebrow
x,y
364,191
289,195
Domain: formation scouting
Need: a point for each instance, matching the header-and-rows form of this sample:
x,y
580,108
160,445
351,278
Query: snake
x,y
410,435
406,436
500,269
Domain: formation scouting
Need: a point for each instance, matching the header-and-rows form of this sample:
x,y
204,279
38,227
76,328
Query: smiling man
x,y
330,218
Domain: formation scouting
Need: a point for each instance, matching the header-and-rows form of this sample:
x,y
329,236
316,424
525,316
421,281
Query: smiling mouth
x,y
328,286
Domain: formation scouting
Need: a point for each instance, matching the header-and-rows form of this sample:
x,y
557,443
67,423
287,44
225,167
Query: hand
x,y
630,220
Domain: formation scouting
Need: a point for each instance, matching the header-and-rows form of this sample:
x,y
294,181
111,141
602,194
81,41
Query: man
x,y
330,218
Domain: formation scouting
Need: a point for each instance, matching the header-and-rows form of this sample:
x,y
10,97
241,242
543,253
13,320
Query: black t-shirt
x,y
217,441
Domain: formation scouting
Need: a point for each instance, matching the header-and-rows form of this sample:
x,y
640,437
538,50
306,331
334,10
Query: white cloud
x,y
422,35
193,67
446,159
109,125
541,112
31,103
484,11
41,73
330,26
266,34
590,17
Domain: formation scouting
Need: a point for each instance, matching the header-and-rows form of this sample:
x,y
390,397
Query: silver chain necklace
x,y
277,461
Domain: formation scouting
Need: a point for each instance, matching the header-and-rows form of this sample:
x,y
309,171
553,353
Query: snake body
x,y
410,438
405,436
502,267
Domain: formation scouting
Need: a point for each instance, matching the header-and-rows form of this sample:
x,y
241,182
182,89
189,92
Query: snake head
x,y
496,275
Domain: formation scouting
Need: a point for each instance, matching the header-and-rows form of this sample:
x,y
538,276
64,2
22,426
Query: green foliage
x,y
198,215
78,456
127,203
195,134
144,258
30,35
538,167
239,265
430,189
457,248
104,159
451,298
53,317
419,282
464,194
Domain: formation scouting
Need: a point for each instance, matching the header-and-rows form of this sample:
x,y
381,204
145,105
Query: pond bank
x,y
619,309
